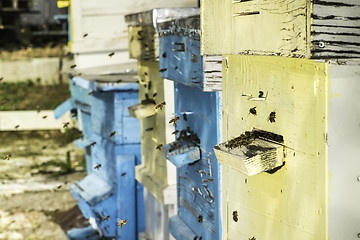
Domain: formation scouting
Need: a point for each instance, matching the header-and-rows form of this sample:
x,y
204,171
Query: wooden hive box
x,y
314,106
302,28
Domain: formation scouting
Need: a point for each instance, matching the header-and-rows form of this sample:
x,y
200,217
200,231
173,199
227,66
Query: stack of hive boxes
x,y
197,121
287,71
155,110
109,191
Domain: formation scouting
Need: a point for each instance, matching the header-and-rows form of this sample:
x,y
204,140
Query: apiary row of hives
x,y
248,122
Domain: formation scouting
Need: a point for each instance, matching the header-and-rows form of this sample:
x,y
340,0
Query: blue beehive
x,y
198,122
112,143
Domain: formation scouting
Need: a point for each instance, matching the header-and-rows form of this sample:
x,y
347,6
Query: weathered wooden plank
x,y
285,28
292,202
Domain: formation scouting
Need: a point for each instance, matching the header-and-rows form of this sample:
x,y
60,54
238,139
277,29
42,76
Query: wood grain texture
x,y
304,28
291,203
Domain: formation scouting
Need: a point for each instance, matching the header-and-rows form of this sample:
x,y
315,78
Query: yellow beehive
x,y
301,28
293,202
154,172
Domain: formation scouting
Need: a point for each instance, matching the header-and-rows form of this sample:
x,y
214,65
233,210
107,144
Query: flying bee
x,y
92,144
235,216
17,126
162,70
97,166
66,125
272,117
253,238
7,157
106,218
58,187
159,146
160,105
121,223
185,116
44,147
111,54
44,117
200,219
112,133
253,111
175,132
91,92
85,35
149,129
1,78
154,95
73,66
174,120
123,174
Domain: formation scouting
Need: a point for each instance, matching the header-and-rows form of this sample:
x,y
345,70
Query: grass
x,y
28,95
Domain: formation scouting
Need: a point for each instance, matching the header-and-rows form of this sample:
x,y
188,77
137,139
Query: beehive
x,y
303,28
297,201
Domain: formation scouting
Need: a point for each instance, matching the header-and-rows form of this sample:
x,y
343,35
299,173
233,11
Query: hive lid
x,y
158,15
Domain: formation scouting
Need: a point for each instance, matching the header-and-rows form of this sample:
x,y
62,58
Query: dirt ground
x,y
35,182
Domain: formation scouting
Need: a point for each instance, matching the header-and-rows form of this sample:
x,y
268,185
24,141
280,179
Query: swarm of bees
x,y
160,106
187,136
243,139
112,133
97,166
121,223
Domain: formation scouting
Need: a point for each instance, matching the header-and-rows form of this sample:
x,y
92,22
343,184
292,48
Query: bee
x,y
112,133
185,117
235,216
121,223
111,54
92,144
174,120
200,219
164,55
253,111
97,166
162,70
73,66
44,117
175,132
1,78
160,105
7,157
44,147
66,125
17,126
253,238
85,35
149,85
208,180
272,117
154,95
58,187
149,129
106,218
159,146
123,174
91,92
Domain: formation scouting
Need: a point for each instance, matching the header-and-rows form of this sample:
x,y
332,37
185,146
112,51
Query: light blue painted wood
x,y
198,182
179,229
82,142
63,108
87,233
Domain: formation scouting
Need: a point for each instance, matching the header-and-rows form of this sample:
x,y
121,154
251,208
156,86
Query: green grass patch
x,y
28,95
